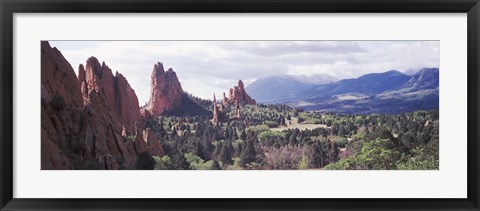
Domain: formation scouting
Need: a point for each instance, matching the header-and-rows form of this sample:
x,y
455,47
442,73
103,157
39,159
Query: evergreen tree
x,y
243,135
317,159
230,147
226,134
239,150
293,140
179,162
204,135
215,165
217,151
225,155
207,148
248,154
333,153
234,135
199,150
174,133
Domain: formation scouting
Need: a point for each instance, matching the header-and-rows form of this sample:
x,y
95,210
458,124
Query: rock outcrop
x,y
59,90
220,114
166,91
115,90
82,119
238,94
221,110
58,78
153,145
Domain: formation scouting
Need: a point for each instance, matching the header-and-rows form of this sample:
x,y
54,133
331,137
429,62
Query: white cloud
x,y
204,67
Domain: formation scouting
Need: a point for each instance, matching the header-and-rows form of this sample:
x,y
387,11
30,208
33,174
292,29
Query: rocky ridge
x,y
89,122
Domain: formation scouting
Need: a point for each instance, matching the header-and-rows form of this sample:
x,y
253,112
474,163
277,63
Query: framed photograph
x,y
263,105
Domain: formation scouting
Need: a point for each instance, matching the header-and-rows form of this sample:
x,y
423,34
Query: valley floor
x,y
293,124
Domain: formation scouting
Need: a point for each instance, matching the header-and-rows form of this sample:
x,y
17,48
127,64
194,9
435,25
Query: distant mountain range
x,y
388,92
373,83
285,86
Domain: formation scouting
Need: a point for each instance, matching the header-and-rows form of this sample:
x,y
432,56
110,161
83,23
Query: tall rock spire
x,y
215,109
237,110
166,91
115,89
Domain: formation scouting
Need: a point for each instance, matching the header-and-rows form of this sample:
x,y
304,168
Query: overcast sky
x,y
205,67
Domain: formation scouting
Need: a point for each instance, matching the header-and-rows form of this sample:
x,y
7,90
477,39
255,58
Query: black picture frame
x,y
10,7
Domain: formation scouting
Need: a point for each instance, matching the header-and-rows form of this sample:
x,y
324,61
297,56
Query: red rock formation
x,y
153,145
238,93
237,110
127,102
59,90
100,136
82,119
219,112
166,91
58,79
216,110
115,90
147,118
81,73
225,99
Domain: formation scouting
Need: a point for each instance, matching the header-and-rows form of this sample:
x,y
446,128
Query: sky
x,y
207,67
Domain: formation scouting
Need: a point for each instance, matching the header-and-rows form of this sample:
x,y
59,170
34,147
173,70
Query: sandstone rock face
x,y
82,119
58,78
147,118
153,145
166,91
81,73
115,90
101,135
59,90
225,99
108,162
238,93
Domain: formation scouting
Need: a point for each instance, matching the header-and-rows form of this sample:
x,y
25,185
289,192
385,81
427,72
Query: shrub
x,y
270,124
303,163
248,154
268,134
341,141
128,138
194,161
300,120
163,163
312,121
374,155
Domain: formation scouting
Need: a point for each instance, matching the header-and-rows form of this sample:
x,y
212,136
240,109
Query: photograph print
x,y
240,105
